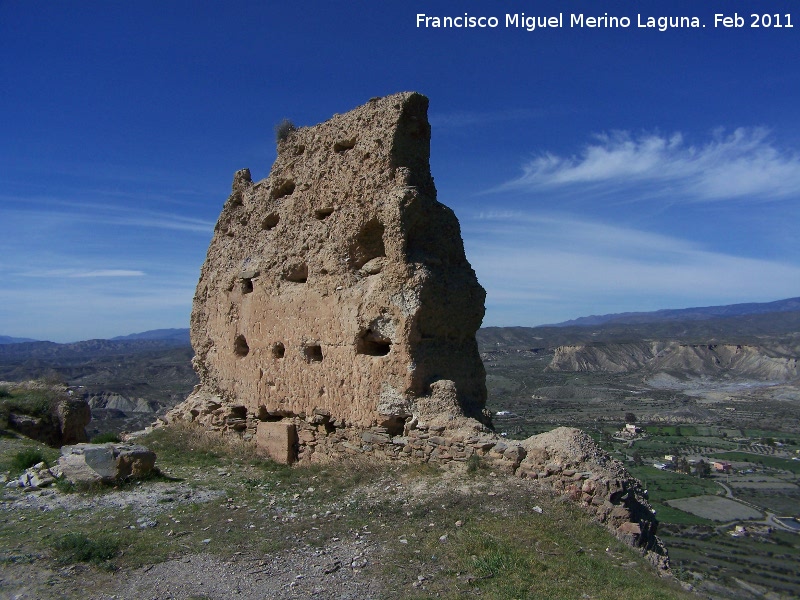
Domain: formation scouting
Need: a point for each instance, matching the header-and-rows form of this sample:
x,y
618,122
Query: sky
x,y
593,170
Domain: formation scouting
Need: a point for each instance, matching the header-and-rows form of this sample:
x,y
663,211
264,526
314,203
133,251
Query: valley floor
x,y
730,534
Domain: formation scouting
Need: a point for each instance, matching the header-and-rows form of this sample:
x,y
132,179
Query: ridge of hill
x,y
178,335
7,339
687,314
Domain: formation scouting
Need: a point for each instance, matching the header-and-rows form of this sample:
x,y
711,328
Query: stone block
x,y
278,439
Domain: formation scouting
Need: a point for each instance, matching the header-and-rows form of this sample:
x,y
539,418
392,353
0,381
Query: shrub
x,y
37,403
25,459
4,392
473,463
105,438
65,486
76,547
283,129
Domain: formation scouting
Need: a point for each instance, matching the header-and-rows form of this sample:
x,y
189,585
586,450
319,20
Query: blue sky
x,y
593,170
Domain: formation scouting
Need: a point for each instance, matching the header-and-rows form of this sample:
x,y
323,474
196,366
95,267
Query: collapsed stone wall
x,y
566,460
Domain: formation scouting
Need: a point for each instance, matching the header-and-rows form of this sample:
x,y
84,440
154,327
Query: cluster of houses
x,y
671,462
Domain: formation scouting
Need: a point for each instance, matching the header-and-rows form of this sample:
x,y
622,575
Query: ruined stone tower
x,y
336,314
338,285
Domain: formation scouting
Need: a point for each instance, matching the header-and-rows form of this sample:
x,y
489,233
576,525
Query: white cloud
x,y
742,164
83,273
109,273
62,212
469,118
539,269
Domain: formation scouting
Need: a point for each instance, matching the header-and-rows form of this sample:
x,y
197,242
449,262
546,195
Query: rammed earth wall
x,y
339,283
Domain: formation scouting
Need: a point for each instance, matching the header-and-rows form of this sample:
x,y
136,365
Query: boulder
x,y
92,463
73,415
64,423
40,428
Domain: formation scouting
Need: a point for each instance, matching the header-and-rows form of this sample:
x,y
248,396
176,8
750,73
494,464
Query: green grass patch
x,y
668,514
667,430
25,459
12,446
667,485
35,402
671,430
519,554
77,547
105,438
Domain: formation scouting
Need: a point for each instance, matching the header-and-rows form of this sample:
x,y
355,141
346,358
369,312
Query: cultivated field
x,y
715,508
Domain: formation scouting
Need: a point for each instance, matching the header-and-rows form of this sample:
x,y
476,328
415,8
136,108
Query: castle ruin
x,y
336,314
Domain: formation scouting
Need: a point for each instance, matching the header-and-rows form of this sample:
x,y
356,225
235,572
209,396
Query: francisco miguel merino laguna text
x,y
531,23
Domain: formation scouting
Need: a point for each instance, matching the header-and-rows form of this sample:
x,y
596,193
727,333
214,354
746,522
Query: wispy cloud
x,y
469,118
103,213
539,269
74,273
741,164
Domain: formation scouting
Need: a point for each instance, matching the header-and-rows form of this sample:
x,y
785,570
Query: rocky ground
x,y
221,523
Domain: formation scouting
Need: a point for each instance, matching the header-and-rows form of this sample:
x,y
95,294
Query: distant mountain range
x,y
686,314
701,323
7,339
178,335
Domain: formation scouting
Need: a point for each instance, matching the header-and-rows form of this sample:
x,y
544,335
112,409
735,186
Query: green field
x,y
773,462
667,485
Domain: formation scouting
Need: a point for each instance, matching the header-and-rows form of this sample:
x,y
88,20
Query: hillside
x,y
176,335
126,382
780,331
684,360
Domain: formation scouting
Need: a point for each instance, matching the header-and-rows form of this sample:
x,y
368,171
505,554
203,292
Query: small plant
x,y
25,459
105,438
473,463
37,403
5,392
65,486
283,129
76,547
